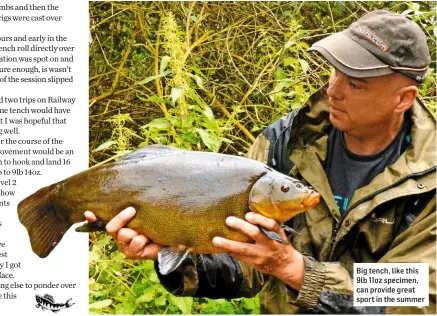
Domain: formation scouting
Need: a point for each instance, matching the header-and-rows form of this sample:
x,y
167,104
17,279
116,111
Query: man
x,y
367,145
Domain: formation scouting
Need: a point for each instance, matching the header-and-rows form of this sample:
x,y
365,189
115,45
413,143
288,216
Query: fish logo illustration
x,y
47,302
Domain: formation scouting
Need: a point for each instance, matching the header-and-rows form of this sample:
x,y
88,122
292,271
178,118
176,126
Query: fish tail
x,y
69,303
43,223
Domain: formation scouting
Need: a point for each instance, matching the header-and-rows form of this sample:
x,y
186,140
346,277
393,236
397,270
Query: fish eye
x,y
285,188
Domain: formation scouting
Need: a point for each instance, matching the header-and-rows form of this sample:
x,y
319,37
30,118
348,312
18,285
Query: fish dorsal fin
x,y
48,297
149,152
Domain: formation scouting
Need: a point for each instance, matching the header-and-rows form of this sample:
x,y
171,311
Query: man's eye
x,y
354,86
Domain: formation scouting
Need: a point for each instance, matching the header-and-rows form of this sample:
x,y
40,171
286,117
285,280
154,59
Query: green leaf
x,y
289,44
160,301
281,85
225,308
210,141
105,145
92,256
104,241
153,277
304,45
250,303
255,128
208,113
148,296
148,79
304,65
280,74
193,95
184,303
100,304
125,308
153,98
199,81
147,265
142,144
119,256
159,123
176,94
415,6
289,61
164,63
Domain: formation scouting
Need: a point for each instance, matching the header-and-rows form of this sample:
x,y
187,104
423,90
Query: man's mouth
x,y
334,108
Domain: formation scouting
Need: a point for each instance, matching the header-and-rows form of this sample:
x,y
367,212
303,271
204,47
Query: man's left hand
x,y
265,255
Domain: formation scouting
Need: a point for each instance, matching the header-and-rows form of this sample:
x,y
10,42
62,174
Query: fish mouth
x,y
311,200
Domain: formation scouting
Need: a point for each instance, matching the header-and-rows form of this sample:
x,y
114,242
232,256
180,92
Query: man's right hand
x,y
130,242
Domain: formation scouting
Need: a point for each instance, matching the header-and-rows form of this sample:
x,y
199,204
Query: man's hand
x,y
265,255
130,243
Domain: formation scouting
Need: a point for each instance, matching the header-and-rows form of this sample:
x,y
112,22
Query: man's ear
x,y
404,98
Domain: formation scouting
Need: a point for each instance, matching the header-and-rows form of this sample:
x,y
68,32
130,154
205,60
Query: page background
x,y
68,263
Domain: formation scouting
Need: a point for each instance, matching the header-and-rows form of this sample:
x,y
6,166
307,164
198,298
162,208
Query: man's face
x,y
359,106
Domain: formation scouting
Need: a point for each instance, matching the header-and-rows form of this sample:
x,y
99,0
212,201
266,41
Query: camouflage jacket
x,y
391,220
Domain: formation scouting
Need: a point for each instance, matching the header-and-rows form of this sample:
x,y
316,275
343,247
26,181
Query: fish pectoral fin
x,y
272,235
289,230
55,310
98,225
170,259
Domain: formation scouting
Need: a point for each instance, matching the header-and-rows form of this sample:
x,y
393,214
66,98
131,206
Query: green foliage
x,y
246,64
203,76
120,286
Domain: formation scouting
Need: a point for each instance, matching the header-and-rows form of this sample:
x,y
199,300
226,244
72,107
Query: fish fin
x,y
272,235
95,226
149,152
55,310
290,231
43,222
69,303
169,259
48,297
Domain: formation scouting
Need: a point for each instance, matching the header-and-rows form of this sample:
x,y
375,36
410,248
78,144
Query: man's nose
x,y
336,85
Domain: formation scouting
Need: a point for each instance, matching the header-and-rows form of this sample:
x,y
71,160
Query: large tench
x,y
181,197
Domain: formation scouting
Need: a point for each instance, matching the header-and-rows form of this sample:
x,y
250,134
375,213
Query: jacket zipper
x,y
366,198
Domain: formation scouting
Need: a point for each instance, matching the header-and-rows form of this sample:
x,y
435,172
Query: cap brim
x,y
349,57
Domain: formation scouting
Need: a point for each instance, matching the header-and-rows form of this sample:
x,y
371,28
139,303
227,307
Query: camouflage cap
x,y
379,43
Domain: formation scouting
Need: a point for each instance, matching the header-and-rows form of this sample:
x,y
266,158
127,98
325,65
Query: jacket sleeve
x,y
213,276
328,287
